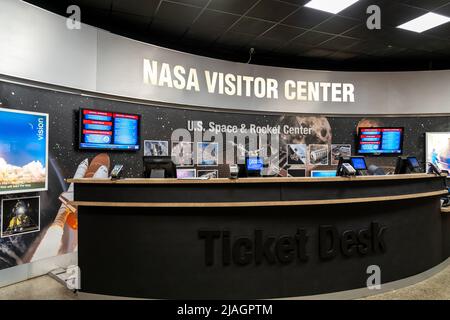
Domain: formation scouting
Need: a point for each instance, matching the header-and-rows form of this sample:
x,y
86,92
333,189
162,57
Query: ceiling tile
x,y
445,10
265,44
442,32
336,25
399,14
313,38
359,10
202,34
198,3
221,32
431,45
98,4
130,20
236,39
232,6
271,10
177,13
213,19
297,2
251,26
342,55
368,48
339,43
98,17
295,48
167,28
388,51
142,8
317,53
427,4
283,33
402,38
307,18
362,32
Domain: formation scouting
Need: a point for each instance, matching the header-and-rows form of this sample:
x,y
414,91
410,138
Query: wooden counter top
x,y
249,180
255,204
251,192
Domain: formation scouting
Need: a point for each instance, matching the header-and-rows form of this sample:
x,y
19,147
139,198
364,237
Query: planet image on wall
x,y
317,131
368,123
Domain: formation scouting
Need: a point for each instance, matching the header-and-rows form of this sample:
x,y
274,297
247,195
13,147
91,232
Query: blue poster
x,y
23,151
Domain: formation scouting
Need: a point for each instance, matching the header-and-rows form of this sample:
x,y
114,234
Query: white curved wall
x,y
36,45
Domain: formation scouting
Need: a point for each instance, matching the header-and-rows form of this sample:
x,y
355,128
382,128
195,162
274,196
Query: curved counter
x,y
256,237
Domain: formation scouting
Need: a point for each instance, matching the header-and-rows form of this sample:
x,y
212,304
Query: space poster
x,y
42,224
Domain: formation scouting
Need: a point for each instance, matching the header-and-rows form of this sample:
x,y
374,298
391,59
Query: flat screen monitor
x,y
407,165
380,141
254,164
323,173
159,167
23,151
413,162
358,163
105,130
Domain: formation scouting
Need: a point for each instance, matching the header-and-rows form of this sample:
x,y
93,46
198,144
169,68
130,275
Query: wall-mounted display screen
x,y
437,146
104,130
380,141
23,151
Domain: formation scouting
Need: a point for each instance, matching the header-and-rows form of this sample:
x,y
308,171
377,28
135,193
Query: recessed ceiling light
x,y
426,22
332,6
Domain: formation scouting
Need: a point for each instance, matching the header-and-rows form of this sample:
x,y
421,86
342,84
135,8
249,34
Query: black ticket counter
x,y
256,238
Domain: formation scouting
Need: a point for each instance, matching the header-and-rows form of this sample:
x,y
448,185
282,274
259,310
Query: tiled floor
x,y
45,287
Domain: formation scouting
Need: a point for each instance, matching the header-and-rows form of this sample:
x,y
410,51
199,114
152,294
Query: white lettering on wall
x,y
229,84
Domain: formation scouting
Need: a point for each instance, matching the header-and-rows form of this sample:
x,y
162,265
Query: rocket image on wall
x,y
61,236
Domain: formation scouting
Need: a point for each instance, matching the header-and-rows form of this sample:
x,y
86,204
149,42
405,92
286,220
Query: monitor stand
x,y
158,173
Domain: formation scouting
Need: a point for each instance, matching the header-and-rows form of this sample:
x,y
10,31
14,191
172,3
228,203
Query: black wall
x,y
158,123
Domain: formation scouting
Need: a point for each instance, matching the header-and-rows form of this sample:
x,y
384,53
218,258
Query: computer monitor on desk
x,y
358,166
407,165
253,166
159,167
359,163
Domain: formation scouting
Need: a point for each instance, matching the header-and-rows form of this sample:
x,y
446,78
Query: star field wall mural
x,y
316,145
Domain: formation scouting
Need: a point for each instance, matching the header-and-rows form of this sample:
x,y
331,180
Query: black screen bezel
x,y
379,154
80,134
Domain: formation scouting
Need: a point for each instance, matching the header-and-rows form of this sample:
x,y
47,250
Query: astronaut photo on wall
x,y
20,216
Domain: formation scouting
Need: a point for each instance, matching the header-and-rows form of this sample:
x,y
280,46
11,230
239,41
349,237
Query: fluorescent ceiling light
x,y
426,22
332,6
